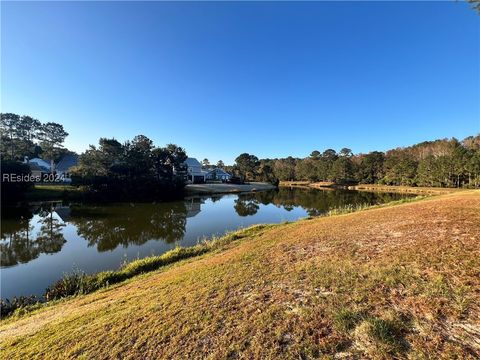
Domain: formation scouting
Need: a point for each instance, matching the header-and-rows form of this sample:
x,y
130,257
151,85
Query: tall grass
x,y
350,208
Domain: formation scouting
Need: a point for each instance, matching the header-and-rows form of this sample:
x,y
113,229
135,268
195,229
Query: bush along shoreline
x,y
80,283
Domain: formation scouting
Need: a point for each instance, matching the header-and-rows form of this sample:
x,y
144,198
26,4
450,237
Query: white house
x,y
195,174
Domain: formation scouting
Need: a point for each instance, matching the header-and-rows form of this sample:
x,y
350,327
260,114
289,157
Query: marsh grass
x,y
350,208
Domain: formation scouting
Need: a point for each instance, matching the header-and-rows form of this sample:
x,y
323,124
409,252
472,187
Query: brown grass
x,y
328,185
405,189
392,282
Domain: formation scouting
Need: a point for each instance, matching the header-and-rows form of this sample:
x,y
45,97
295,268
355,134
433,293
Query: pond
x,y
42,241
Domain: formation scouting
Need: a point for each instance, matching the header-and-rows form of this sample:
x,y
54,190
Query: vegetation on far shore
x,y
138,170
446,163
390,282
372,187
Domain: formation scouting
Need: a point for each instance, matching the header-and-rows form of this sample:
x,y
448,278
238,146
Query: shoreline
x,y
372,187
221,188
44,192
105,279
362,272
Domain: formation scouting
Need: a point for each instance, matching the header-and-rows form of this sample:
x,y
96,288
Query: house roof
x,y
35,167
192,162
40,162
67,162
219,171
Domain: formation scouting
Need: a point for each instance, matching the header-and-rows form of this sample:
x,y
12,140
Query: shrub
x,y
71,284
7,307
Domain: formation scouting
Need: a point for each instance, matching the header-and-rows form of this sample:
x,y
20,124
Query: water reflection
x,y
246,206
107,227
25,236
315,202
27,232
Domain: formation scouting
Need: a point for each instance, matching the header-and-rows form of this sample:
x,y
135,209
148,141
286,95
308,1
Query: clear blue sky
x,y
272,79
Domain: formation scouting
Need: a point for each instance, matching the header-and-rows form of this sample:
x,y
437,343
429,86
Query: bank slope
x,y
400,281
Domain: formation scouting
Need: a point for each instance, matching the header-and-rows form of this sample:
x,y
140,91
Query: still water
x,y
42,241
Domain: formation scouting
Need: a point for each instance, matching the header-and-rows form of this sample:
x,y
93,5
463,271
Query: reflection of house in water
x,y
193,206
63,212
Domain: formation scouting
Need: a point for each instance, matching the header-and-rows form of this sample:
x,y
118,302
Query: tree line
x,y
26,136
22,136
439,163
135,169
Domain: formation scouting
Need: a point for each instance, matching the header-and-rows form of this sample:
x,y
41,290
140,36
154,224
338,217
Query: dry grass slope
x,y
392,282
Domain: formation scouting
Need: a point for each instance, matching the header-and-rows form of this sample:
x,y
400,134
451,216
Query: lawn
x,y
390,282
54,192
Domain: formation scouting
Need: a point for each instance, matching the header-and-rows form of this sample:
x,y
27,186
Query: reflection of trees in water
x,y
314,201
122,224
50,235
20,245
246,206
110,226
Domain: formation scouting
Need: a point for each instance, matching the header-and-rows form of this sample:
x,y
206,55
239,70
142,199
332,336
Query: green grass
x,y
346,319
54,192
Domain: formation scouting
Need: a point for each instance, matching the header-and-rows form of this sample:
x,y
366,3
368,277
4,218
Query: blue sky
x,y
272,79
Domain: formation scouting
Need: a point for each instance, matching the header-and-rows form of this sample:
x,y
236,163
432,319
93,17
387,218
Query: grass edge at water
x,y
80,283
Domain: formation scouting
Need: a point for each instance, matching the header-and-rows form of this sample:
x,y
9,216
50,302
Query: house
x,y
66,163
218,174
195,174
44,165
36,170
39,166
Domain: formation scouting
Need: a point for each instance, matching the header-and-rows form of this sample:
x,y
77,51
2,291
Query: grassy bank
x,y
405,189
45,192
399,281
80,283
373,187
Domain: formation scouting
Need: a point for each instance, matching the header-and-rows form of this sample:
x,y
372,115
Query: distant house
x,y
66,163
39,166
44,165
218,174
195,174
